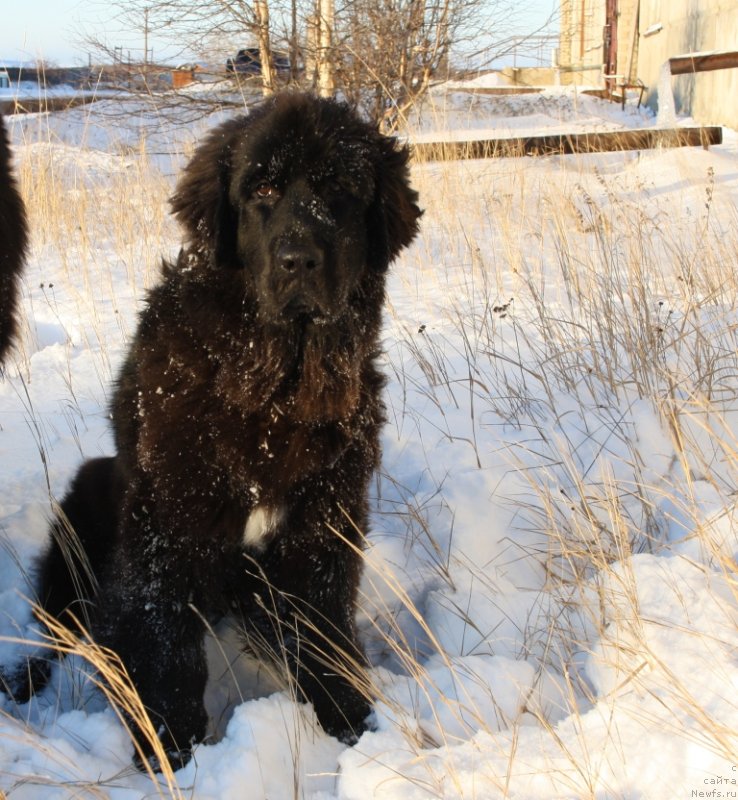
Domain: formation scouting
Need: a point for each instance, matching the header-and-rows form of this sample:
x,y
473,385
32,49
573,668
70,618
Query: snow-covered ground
x,y
459,115
549,601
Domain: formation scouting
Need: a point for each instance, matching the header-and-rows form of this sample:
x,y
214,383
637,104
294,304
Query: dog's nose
x,y
299,258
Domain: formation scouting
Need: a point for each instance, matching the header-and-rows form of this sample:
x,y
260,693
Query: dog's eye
x,y
335,189
265,189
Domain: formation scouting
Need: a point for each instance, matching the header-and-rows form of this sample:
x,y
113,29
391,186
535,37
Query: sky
x,y
55,30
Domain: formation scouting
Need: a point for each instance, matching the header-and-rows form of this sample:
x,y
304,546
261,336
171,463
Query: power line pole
x,y
146,35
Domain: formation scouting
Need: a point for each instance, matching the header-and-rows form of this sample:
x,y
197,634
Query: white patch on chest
x,y
260,525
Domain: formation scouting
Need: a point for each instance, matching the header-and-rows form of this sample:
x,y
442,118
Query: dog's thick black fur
x,y
13,243
246,419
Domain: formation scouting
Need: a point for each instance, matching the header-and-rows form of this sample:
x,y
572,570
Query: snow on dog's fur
x,y
246,420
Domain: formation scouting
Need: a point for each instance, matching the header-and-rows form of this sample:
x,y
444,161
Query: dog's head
x,y
305,198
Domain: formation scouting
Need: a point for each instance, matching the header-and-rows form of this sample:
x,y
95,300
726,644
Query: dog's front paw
x,y
347,720
150,761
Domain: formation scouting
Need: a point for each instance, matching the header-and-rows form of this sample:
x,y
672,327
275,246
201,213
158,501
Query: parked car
x,y
248,62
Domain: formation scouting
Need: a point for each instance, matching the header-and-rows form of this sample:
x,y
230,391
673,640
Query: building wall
x,y
691,26
529,76
581,54
628,39
686,26
580,50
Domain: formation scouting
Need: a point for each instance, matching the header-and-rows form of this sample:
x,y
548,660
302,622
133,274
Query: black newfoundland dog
x,y
13,242
246,421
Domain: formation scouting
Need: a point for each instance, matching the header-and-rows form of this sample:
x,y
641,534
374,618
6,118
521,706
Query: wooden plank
x,y
569,143
32,105
703,62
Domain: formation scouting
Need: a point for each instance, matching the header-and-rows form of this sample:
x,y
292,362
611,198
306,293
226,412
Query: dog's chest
x,y
268,457
261,524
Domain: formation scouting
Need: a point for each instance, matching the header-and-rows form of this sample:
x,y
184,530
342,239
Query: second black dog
x,y
13,244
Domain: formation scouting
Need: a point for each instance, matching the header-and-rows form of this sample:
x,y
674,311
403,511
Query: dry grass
x,y
100,223
590,323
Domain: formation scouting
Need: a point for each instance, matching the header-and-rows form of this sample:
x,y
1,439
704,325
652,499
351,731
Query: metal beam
x,y
703,62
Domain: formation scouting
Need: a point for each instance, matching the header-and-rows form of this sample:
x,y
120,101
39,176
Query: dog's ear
x,y
394,213
200,201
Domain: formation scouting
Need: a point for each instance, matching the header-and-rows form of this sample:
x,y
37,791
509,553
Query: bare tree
x,y
389,52
325,60
381,54
261,15
392,49
201,29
